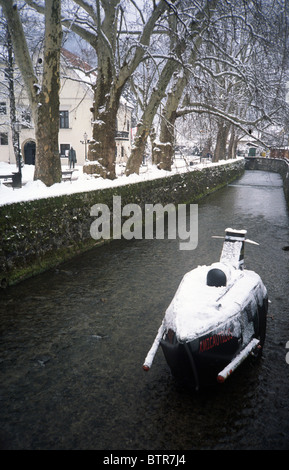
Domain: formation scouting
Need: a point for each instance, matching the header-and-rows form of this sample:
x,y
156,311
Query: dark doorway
x,y
29,152
252,152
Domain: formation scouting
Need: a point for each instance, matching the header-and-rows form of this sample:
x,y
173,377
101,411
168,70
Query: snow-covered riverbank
x,y
53,224
82,182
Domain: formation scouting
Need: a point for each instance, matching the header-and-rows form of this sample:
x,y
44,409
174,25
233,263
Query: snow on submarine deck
x,y
198,308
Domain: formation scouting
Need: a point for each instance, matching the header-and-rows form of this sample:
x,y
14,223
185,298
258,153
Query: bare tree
x,y
164,147
8,89
229,81
119,49
43,97
237,76
118,57
171,64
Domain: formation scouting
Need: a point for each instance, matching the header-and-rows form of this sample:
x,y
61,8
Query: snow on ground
x,y
82,182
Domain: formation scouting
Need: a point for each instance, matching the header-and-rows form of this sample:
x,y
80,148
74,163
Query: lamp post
x,y
18,177
85,142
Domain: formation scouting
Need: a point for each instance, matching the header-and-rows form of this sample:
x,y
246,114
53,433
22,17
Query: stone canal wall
x,y
39,234
276,165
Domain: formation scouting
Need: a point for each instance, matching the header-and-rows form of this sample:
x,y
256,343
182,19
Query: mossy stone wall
x,y
42,233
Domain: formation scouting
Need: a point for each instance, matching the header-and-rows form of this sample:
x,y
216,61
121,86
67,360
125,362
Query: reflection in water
x,y
73,341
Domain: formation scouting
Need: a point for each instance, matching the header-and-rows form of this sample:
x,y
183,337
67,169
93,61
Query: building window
x,y
3,108
64,120
26,118
3,138
64,149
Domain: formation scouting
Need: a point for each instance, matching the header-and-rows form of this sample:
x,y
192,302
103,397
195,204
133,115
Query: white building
x,y
75,128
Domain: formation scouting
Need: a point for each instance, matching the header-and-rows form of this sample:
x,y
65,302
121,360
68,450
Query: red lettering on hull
x,y
215,340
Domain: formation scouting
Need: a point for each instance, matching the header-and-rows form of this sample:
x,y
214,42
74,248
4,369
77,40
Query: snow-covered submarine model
x,y
216,319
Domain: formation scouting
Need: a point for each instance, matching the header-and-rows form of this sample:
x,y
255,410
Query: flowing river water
x,y
73,341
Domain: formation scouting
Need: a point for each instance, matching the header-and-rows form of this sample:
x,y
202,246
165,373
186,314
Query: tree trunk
x,y
11,92
143,131
102,149
47,162
44,100
232,143
164,148
110,84
163,151
144,128
221,143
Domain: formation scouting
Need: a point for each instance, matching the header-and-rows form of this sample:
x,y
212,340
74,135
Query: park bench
x,y
206,158
13,179
67,175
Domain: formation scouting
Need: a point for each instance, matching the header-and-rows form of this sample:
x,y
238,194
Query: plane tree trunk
x,y
233,142
102,149
43,98
47,164
11,91
145,126
221,142
163,148
110,84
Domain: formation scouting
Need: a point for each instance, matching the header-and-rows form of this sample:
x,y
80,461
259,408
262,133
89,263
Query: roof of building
x,y
83,70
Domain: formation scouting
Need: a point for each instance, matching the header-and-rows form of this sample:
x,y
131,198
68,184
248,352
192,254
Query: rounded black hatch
x,y
216,278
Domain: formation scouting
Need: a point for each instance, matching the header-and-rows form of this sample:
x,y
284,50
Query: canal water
x,y
73,341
